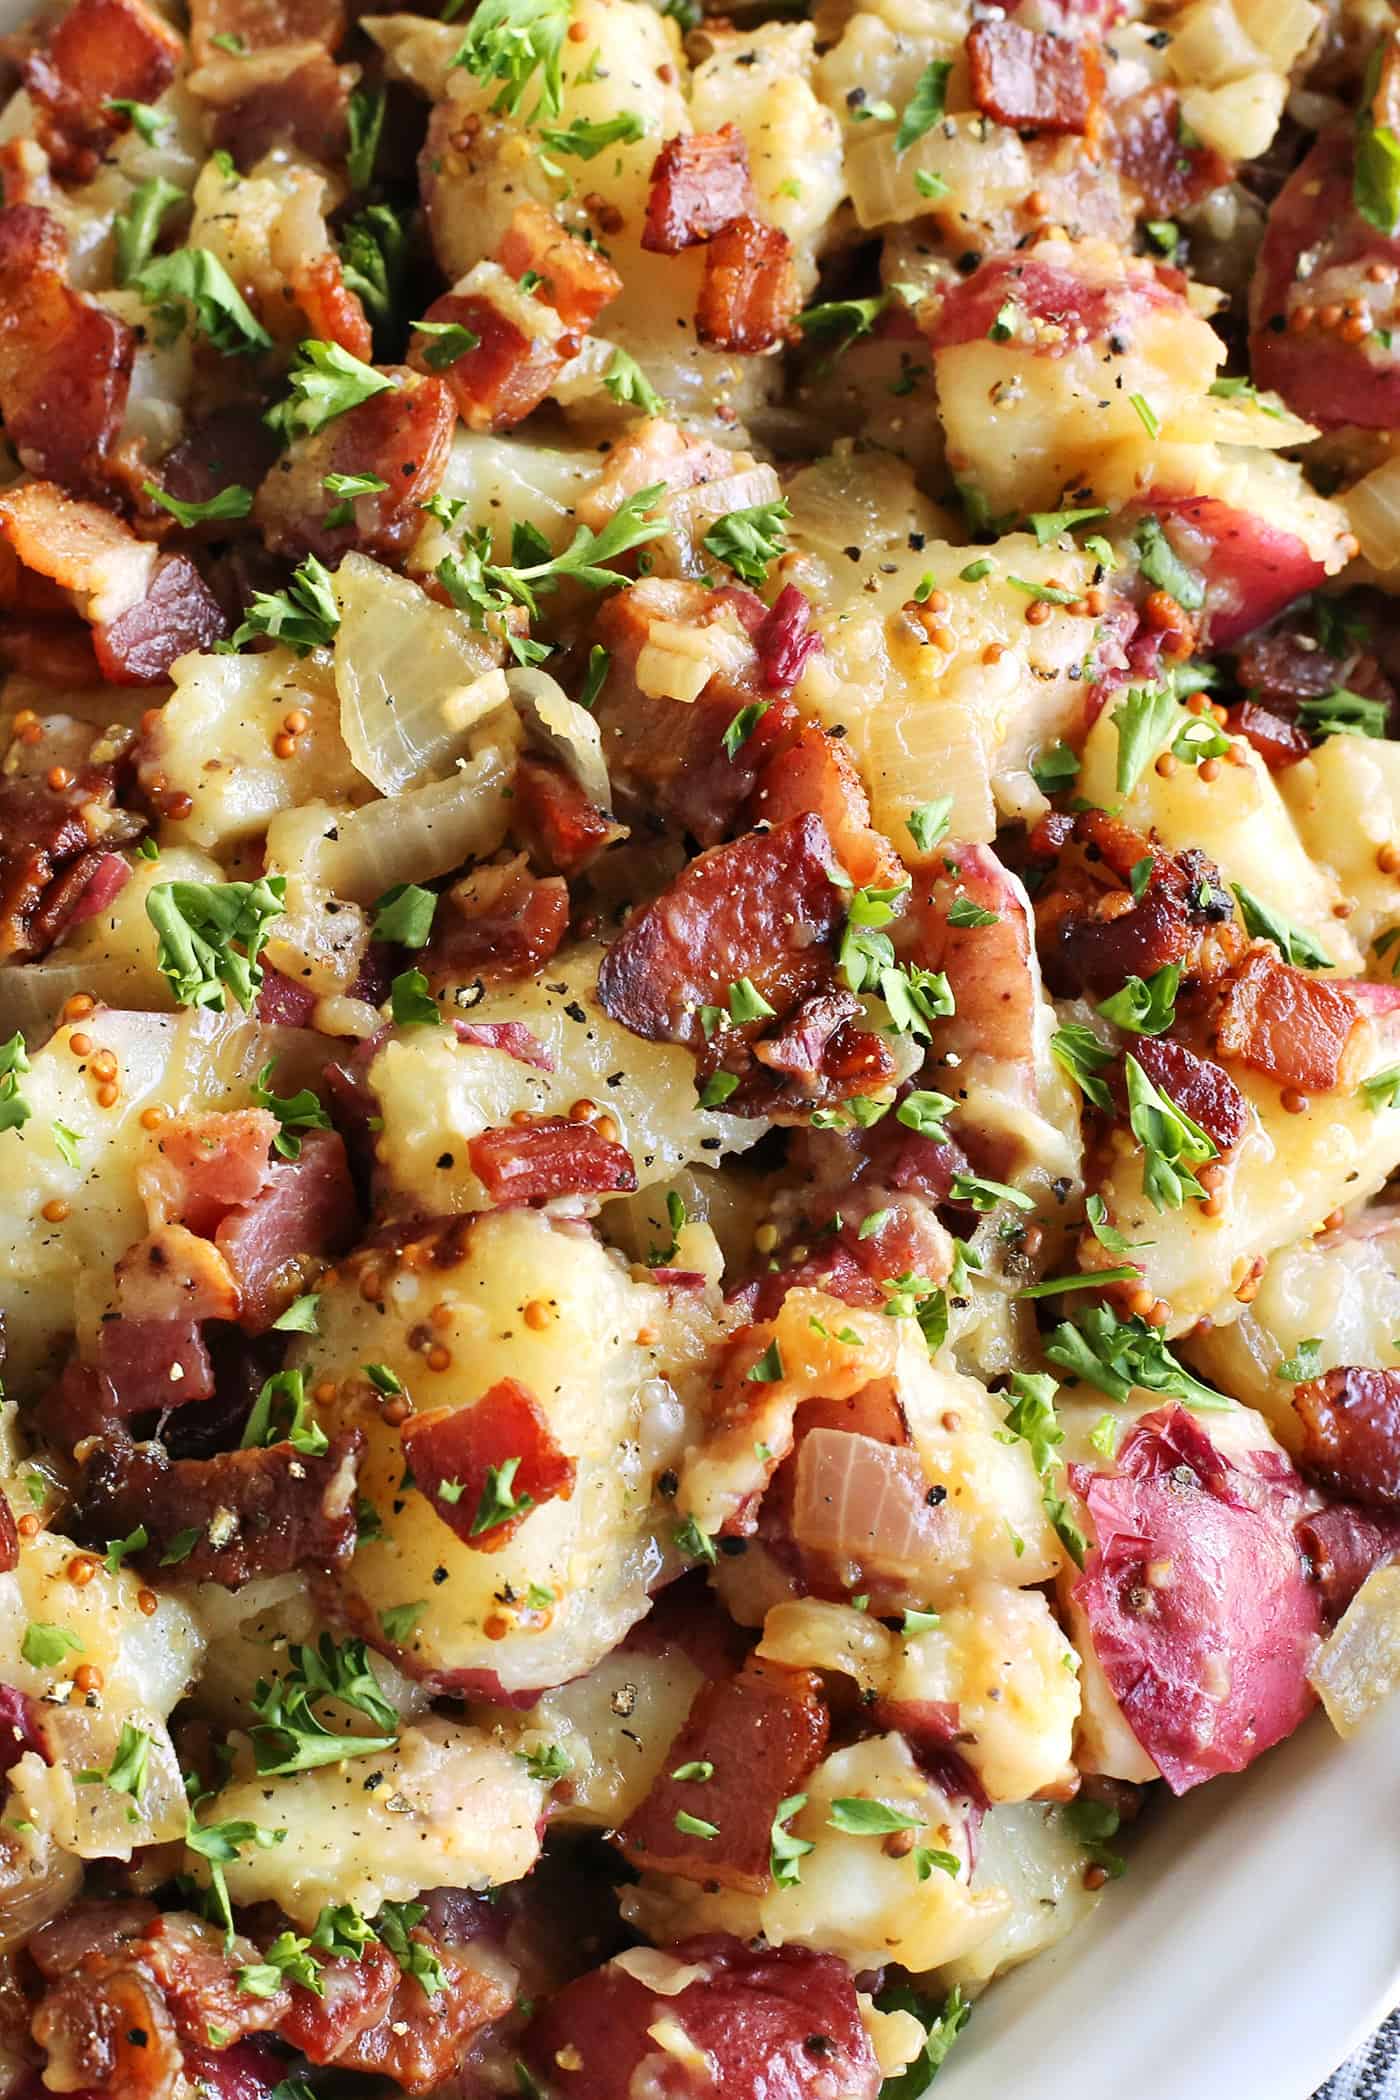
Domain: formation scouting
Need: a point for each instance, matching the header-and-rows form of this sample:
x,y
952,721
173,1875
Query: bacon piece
x,y
48,834
65,361
20,1731
1143,140
1279,742
258,1512
534,1162
1197,1600
749,292
230,444
129,1993
1288,1023
418,2041
99,52
576,280
765,908
700,184
52,652
83,891
178,613
1033,81
801,1046
554,819
1343,1544
173,1274
817,774
988,967
1285,666
1351,1434
1198,1088
204,1166
402,436
785,640
297,101
275,1244
283,1002
506,375
354,1998
1316,252
765,2024
261,24
667,756
764,1732
1089,943
498,922
333,311
466,1447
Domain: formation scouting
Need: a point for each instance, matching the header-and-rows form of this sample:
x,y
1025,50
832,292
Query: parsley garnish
x,y
743,726
219,1845
299,1318
365,121
499,1503
1381,1089
405,914
447,342
374,259
1146,1005
550,1762
346,487
149,122
191,289
1160,564
1055,769
1303,1364
281,1416
289,1737
519,42
294,1112
928,823
1031,1416
303,617
1145,721
786,1852
325,382
288,1960
395,1925
1172,1143
44,1647
841,321
231,502
924,1112
199,924
985,1195
695,1826
628,384
1115,1355
138,227
694,1541
768,1369
748,540
411,1002
1376,183
1340,713
941,2030
587,139
1293,943
119,1550
398,1622
1092,1823
857,1817
925,106
1048,525
963,912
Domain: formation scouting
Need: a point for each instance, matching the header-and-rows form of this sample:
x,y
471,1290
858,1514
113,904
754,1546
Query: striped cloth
x,y
1374,2072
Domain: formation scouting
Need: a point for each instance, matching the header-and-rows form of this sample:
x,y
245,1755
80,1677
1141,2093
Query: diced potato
x,y
435,1093
611,1363
853,1899
447,1808
1358,1667
264,227
214,741
1345,803
1029,1855
112,956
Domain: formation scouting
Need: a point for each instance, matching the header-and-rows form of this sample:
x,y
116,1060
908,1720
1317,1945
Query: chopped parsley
x,y
1031,1416
231,502
1294,944
857,1817
219,1845
190,288
281,1415
325,382
549,1762
137,229
1172,1143
448,341
1049,525
1303,1364
1376,182
303,617
748,540
629,386
44,1647
925,106
786,1852
1145,1005
586,139
1115,1355
365,121
405,914
941,2029
211,935
1340,713
289,1736
294,1112
742,727
1161,565
1055,769
694,1541
768,1369
521,44
411,1002
1145,721
928,823
499,1503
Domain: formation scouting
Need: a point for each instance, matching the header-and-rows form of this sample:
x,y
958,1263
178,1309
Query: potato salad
x,y
699,1012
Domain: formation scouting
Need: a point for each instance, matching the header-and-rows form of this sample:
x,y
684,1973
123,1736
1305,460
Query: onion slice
x,y
858,1499
1357,1667
560,725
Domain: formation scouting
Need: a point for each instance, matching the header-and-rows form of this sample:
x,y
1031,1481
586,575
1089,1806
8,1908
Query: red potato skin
x,y
780,2025
1197,1597
1252,570
1351,1434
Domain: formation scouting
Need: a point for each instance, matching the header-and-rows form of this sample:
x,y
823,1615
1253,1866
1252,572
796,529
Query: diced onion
x,y
565,728
1373,506
1358,1666
861,1500
37,1881
95,1821
404,838
409,673
677,662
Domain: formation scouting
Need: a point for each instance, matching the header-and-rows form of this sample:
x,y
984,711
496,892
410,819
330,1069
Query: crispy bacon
x,y
304,1212
173,1274
1343,1544
232,443
465,1448
47,835
402,436
1197,1599
1279,742
1292,1025
988,967
576,280
764,1731
65,361
763,2024
749,292
668,757
554,819
817,774
300,107
332,310
1089,941
262,24
700,183
178,613
765,908
509,373
1197,1086
154,1364
99,52
1143,139
1031,80
1072,306
534,1162
498,922
257,1512
1351,1434
1316,253
203,1166
1252,566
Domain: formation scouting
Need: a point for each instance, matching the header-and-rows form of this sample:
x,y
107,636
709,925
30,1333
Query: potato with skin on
x,y
610,1362
854,1898
1345,804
